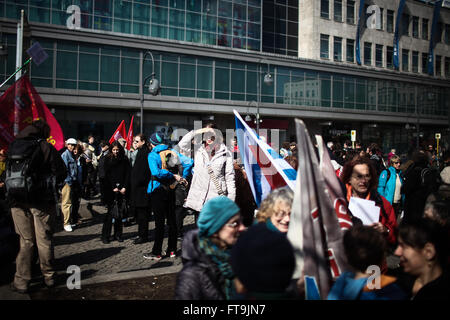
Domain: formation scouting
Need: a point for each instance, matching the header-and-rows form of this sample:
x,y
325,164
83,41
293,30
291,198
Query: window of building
x,y
381,19
447,67
379,55
425,29
415,27
367,53
439,31
424,62
338,10
405,60
389,57
405,24
325,9
447,34
438,71
337,49
415,61
324,46
390,21
350,12
350,50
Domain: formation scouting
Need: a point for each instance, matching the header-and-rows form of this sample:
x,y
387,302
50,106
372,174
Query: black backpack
x,y
21,169
430,178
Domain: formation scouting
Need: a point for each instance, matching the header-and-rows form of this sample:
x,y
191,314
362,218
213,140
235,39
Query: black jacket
x,y
117,171
140,178
200,278
48,167
415,193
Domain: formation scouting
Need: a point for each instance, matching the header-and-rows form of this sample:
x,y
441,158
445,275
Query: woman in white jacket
x,y
213,167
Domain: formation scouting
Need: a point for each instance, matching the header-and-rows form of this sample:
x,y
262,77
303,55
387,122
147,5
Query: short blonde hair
x,y
394,158
267,207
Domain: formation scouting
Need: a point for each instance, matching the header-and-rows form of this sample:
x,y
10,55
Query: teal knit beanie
x,y
215,213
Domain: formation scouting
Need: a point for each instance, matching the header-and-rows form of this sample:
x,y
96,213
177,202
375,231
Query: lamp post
x,y
268,80
153,87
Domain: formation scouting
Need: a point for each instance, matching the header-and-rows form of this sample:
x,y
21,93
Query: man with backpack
x,y
34,168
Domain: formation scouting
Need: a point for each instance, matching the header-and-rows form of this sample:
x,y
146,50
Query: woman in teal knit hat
x,y
275,210
207,273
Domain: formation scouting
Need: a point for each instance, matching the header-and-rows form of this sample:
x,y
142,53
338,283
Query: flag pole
x,y
26,62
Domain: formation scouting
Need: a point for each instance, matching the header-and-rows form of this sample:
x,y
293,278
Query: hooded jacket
x,y
200,278
164,176
202,186
348,288
387,187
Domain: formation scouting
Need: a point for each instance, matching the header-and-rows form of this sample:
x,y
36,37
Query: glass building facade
x,y
216,52
81,66
234,24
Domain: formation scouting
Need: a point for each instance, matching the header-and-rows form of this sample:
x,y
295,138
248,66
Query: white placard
x,y
366,210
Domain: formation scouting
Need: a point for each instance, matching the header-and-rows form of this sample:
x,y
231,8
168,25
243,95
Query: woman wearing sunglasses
x,y
390,184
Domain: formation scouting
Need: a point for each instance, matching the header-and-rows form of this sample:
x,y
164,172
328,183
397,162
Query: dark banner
x,y
397,33
359,25
437,10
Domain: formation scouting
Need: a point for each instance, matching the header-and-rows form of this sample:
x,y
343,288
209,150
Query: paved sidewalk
x,y
100,262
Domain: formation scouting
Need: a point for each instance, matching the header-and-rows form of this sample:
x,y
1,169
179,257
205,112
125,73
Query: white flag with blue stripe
x,y
265,168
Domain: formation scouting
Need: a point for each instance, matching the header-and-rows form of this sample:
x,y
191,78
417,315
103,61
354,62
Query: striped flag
x,y
265,168
318,216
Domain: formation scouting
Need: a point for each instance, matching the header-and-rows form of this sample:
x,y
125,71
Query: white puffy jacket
x,y
202,187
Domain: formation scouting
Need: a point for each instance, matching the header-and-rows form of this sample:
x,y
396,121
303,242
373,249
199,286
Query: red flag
x,y
23,98
119,133
130,134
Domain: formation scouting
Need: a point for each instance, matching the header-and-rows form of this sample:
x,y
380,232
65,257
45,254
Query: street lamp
x,y
153,87
268,80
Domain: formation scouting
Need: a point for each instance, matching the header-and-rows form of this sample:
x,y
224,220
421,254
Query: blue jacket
x,y
72,168
387,188
155,164
348,288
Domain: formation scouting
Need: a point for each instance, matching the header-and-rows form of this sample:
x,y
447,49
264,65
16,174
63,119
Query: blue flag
x,y
437,10
358,31
396,33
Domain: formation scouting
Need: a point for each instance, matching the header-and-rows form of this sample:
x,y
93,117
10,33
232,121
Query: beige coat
x,y
202,187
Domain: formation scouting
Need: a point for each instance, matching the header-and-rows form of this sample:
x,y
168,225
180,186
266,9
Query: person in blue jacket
x,y
390,184
365,252
159,192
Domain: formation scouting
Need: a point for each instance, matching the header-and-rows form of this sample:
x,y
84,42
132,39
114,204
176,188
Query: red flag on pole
x,y
23,99
130,134
119,133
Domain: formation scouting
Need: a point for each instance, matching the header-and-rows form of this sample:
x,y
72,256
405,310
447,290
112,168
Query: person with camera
x,y
117,175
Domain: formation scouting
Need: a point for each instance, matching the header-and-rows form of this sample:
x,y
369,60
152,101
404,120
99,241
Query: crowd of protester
x,y
237,250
